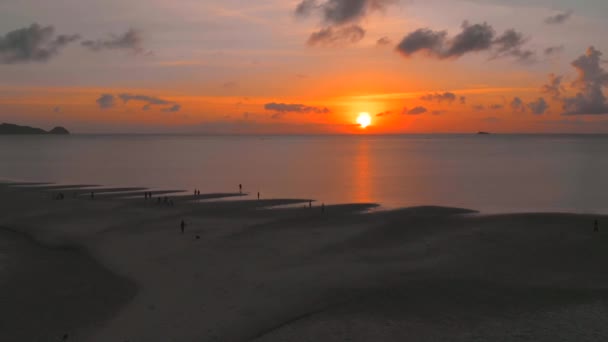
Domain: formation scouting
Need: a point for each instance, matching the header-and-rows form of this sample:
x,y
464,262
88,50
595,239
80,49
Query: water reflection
x,y
362,173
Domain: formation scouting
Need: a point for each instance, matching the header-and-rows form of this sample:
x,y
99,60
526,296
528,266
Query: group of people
x,y
148,195
197,192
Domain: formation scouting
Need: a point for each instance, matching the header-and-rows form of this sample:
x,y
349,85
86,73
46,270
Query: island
x,y
6,128
483,133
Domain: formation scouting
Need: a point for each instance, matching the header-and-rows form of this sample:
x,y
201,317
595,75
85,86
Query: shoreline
x,y
249,270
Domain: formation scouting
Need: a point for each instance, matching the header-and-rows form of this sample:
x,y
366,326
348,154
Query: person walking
x,y
183,226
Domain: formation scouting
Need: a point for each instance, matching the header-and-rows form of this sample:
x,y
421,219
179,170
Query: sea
x,y
491,173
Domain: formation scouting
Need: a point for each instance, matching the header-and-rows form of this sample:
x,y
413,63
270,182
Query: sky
x,y
305,66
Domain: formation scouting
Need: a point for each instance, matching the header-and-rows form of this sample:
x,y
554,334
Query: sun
x,y
364,119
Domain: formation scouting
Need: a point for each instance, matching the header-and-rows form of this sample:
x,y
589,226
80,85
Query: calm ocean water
x,y
494,173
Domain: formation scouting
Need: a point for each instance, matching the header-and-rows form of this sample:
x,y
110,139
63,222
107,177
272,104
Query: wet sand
x,y
267,273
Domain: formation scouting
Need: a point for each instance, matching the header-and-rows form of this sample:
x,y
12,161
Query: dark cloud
x,y
32,44
472,38
330,36
386,113
553,50
463,100
305,8
150,101
496,107
510,43
383,41
339,12
439,97
559,18
554,88
281,108
423,40
173,109
517,105
592,78
340,19
539,106
479,107
106,101
415,111
130,40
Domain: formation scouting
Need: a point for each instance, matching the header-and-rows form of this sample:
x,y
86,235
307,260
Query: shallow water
x,y
494,173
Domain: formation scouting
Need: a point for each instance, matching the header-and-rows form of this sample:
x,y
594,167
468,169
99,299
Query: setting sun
x,y
364,120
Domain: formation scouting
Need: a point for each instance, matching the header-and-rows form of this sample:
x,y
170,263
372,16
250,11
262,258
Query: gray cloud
x,y
32,44
106,101
517,105
539,106
554,88
415,111
496,107
282,108
383,41
553,50
439,97
173,109
590,98
386,113
130,40
330,36
150,101
340,19
559,18
472,38
340,12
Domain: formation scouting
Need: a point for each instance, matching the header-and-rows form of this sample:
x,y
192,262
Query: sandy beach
x,y
117,268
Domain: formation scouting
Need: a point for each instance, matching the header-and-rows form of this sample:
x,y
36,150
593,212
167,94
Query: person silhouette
x,y
310,204
258,195
92,195
596,226
183,226
240,188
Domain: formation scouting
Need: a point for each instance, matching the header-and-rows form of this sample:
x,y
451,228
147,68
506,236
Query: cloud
x,y
558,18
553,50
590,98
106,101
57,109
386,113
175,108
330,36
282,108
479,107
517,105
130,40
32,44
339,12
539,106
472,38
496,107
438,112
438,97
463,100
554,88
339,18
415,111
150,101
383,41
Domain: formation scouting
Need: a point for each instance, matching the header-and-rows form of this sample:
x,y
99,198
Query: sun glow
x,y
364,120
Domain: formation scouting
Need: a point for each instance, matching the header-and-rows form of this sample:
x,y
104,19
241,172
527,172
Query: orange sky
x,y
215,67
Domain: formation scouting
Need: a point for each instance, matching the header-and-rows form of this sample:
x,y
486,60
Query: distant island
x,y
483,133
7,128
